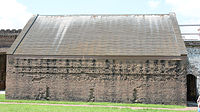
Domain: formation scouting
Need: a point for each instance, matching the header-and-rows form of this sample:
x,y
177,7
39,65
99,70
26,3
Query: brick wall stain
x,y
100,80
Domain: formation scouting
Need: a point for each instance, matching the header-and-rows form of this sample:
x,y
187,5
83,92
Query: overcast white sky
x,y
15,13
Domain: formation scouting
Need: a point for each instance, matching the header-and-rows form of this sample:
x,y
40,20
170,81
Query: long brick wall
x,y
101,79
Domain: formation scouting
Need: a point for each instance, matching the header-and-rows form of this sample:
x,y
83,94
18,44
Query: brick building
x,y
193,69
7,37
103,58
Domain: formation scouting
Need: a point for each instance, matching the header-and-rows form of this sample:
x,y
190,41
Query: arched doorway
x,y
191,88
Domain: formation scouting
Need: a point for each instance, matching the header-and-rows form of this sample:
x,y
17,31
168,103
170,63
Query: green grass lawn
x,y
56,108
47,108
2,99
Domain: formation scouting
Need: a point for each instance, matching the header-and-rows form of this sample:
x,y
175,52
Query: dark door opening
x,y
2,71
191,88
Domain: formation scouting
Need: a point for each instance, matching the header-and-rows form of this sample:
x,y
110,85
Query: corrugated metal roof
x,y
132,35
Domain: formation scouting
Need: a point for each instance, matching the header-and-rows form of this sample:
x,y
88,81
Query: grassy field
x,y
46,108
2,99
55,108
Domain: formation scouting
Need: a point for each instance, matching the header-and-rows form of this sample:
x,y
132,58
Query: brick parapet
x,y
7,37
9,32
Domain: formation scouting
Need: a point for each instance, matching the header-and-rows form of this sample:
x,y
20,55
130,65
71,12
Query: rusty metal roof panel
x,y
133,35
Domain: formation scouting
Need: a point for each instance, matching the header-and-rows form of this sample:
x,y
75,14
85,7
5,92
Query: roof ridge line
x,y
105,14
25,33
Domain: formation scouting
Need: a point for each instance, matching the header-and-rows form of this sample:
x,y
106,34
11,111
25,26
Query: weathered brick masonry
x,y
193,49
7,37
111,79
